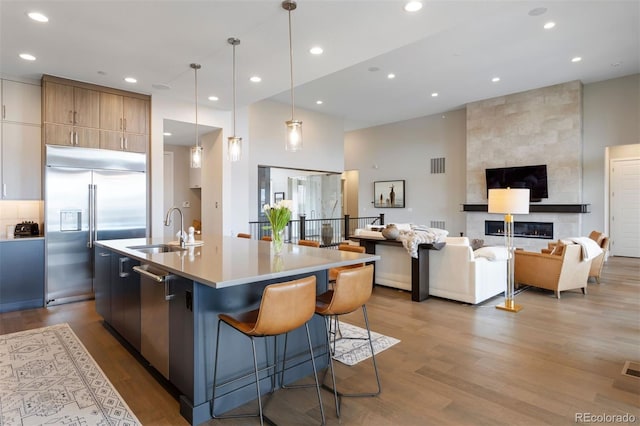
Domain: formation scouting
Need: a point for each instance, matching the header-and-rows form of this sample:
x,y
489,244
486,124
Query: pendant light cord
x,y
291,64
234,89
195,70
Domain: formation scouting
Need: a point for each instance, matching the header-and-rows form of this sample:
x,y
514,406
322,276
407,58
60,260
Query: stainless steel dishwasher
x,y
155,296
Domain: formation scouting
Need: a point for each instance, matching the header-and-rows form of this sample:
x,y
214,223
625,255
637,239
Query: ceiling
x,y
453,48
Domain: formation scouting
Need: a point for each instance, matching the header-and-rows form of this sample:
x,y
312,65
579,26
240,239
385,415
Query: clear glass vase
x,y
277,240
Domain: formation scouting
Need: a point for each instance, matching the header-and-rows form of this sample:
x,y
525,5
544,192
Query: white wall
x,y
161,108
611,110
181,190
322,150
611,116
403,151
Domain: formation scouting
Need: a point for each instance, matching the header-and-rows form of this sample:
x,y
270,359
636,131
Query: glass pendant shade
x,y
234,148
196,157
294,135
196,151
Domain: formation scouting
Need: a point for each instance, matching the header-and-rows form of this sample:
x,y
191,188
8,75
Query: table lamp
x,y
509,201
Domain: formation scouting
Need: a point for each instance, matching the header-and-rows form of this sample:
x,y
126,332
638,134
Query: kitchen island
x,y
164,302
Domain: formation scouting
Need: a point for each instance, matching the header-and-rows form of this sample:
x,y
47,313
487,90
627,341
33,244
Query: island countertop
x,y
224,261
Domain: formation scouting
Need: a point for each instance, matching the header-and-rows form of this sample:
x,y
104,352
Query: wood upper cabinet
x,y
124,123
59,134
77,106
84,115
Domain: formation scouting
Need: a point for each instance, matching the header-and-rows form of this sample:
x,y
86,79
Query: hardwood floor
x,y
456,364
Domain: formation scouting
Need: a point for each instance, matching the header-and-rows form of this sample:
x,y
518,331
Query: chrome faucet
x,y
167,222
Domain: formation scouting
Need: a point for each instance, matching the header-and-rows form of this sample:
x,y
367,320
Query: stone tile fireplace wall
x,y
541,126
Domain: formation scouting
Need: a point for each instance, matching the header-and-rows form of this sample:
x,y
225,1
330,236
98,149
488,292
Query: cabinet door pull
x,y
70,116
121,272
70,138
4,190
4,112
75,138
75,117
121,124
126,146
125,124
121,143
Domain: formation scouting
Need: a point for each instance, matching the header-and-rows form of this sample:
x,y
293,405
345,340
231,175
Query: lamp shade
x,y
509,201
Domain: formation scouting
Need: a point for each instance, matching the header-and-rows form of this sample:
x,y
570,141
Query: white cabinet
x,y
20,141
21,102
195,178
21,162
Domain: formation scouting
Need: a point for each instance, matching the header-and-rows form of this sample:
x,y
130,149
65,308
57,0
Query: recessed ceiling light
x,y
319,102
316,50
37,16
495,79
576,59
413,6
213,98
255,79
27,57
391,76
161,86
130,80
538,11
434,95
373,69
167,133
549,25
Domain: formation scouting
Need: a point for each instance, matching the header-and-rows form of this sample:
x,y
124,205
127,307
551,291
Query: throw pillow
x,y
492,253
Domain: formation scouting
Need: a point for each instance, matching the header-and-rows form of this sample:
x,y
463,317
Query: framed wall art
x,y
278,196
388,193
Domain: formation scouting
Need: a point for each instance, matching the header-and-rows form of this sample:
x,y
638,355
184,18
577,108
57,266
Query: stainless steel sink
x,y
156,248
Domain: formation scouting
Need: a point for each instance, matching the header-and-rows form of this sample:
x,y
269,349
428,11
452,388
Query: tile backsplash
x,y
16,211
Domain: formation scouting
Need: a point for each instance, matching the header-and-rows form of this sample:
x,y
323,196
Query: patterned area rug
x,y
351,352
48,377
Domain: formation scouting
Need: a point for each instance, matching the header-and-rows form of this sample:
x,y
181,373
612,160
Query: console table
x,y
419,266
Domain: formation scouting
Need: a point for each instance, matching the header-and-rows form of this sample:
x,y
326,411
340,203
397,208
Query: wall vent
x,y
437,224
437,165
631,369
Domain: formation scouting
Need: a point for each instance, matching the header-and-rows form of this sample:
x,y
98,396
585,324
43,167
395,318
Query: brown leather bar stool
x,y
243,235
283,308
333,272
352,291
266,238
309,243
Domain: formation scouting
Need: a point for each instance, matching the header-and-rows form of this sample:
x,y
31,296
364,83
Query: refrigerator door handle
x,y
95,214
90,237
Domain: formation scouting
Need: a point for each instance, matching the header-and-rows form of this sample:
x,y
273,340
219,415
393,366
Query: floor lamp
x,y
509,202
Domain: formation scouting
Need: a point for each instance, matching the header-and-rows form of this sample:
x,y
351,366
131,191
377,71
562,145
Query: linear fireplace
x,y
543,230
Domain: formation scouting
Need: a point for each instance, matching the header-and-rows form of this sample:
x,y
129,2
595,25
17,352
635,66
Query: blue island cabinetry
x,y
164,301
21,274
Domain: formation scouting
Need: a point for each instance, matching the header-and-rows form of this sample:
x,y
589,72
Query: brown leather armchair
x,y
557,272
598,262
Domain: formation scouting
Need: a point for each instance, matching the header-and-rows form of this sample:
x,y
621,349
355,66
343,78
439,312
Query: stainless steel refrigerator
x,y
90,194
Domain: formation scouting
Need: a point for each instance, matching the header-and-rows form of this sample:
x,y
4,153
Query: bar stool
x,y
266,238
309,243
333,272
243,235
352,291
283,308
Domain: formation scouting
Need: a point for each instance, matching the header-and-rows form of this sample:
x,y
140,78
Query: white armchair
x,y
457,272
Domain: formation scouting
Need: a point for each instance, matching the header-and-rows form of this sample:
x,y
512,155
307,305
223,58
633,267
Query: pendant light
x,y
294,127
196,151
234,143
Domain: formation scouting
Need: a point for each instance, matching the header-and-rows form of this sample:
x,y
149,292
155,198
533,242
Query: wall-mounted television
x,y
532,177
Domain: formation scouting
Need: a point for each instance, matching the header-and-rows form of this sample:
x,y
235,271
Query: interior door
x,y
625,207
